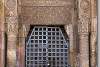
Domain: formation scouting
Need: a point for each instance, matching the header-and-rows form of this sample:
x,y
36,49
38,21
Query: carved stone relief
x,y
11,4
46,3
83,29
84,4
84,16
46,12
46,15
13,28
83,24
12,31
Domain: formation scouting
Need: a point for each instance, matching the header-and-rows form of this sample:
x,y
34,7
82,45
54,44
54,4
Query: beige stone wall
x,y
77,16
2,46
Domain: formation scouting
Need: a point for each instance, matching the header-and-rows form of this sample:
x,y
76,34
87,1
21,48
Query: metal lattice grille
x,y
46,47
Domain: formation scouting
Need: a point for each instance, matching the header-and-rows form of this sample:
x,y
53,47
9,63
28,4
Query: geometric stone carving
x,y
11,19
13,28
84,16
83,24
46,15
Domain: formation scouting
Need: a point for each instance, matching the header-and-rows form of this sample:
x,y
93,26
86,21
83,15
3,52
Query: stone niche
x,y
46,12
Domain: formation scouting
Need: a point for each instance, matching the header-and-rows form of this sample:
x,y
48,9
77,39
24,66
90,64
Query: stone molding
x,y
93,36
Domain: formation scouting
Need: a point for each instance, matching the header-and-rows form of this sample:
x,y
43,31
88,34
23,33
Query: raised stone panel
x,y
46,15
46,2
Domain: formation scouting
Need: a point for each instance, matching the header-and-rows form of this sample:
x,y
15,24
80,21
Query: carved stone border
x,y
11,20
83,29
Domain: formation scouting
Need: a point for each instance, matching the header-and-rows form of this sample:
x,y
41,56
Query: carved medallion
x,y
84,4
11,4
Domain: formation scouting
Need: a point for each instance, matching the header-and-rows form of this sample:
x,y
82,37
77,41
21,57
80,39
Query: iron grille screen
x,y
46,47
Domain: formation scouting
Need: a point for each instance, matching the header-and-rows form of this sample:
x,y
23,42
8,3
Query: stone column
x,y
2,31
83,28
84,50
12,31
69,32
23,31
93,37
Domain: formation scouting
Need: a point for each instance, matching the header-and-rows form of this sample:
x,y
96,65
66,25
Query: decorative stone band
x,y
46,3
46,15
